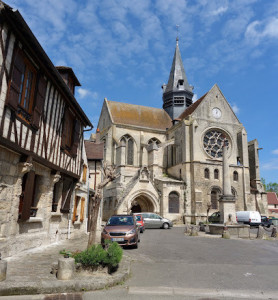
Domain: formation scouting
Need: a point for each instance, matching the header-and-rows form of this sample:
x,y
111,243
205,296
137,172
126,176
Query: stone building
x,y
170,159
43,165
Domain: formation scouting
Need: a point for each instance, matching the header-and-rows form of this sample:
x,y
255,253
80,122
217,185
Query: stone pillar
x,y
227,200
65,268
3,269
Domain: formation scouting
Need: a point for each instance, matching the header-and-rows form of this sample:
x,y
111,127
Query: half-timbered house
x,y
43,166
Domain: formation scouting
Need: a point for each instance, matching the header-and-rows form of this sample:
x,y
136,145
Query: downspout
x,y
70,214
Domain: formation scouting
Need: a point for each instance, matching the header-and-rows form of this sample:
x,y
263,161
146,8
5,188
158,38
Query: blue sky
x,y
123,50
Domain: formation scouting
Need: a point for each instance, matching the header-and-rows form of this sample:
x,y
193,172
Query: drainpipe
x,y
70,214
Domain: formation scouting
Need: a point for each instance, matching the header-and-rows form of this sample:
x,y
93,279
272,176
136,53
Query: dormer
x,y
69,77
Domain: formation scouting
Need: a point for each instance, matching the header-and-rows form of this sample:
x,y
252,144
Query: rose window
x,y
213,143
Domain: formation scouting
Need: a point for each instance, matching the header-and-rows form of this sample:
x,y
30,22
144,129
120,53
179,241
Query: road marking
x,y
243,294
150,290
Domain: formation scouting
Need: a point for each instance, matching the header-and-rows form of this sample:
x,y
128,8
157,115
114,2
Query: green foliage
x,y
270,187
96,255
114,254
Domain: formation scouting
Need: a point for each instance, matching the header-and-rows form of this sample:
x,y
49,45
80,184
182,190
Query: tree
x,y
270,187
108,175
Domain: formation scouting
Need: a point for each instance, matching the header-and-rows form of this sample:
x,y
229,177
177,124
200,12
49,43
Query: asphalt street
x,y
170,265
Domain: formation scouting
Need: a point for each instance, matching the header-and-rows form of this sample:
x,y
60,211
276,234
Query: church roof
x,y
191,108
137,115
177,73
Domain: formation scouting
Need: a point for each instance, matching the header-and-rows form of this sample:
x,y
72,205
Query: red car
x,y
140,222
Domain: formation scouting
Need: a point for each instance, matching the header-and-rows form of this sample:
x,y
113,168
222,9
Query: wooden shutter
x,y
84,177
64,132
66,195
82,209
75,209
28,195
76,138
40,98
16,78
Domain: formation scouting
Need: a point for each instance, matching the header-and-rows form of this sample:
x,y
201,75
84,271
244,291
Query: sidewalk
x,y
30,272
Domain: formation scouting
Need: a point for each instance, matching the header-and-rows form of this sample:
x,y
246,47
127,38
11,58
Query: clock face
x,y
216,113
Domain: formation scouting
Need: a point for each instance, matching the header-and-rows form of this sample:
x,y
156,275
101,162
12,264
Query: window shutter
x,y
84,177
76,137
40,98
17,75
74,209
66,196
64,132
82,209
28,195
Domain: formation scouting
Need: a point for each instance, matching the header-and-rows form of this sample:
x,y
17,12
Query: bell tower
x,y
177,94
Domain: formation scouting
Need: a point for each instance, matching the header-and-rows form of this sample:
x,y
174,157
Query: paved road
x,y
170,265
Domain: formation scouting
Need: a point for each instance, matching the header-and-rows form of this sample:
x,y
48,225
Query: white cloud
x,y
195,97
259,30
219,11
275,151
271,165
235,108
82,93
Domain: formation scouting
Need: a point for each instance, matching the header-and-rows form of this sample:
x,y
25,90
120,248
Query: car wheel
x,y
165,226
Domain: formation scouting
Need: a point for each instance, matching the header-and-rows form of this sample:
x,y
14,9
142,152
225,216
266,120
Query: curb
x,y
76,285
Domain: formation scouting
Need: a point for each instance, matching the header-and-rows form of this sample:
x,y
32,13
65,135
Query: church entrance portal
x,y
140,204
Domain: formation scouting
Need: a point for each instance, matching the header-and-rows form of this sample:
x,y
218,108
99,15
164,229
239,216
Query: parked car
x,y
153,220
253,218
122,229
266,222
214,218
140,222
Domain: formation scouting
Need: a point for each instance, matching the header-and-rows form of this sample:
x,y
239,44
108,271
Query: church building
x,y
170,159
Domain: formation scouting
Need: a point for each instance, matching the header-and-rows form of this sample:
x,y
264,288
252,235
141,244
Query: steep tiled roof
x,y
93,150
191,108
137,115
272,198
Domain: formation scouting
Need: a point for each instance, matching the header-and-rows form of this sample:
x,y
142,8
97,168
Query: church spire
x,y
177,94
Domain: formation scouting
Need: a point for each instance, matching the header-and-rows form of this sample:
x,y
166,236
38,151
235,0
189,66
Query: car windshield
x,y
138,218
121,220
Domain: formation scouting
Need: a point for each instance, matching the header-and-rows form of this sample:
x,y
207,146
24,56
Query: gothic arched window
x,y
128,141
216,174
235,176
174,203
206,173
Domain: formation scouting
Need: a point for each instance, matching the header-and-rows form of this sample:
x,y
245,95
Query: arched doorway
x,y
142,204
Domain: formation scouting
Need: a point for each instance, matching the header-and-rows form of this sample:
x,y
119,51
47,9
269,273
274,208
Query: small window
x,y
128,141
174,203
206,173
216,174
235,175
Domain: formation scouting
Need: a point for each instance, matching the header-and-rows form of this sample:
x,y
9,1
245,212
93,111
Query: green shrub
x,y
114,254
94,256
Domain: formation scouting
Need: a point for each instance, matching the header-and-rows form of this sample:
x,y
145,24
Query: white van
x,y
249,217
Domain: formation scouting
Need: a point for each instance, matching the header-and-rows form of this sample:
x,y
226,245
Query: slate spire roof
x,y
177,72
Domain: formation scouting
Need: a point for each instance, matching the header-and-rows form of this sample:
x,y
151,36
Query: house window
x,y
57,190
27,89
71,133
128,141
235,176
174,203
206,173
75,207
216,174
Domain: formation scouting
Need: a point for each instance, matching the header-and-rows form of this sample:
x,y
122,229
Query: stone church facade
x,y
170,159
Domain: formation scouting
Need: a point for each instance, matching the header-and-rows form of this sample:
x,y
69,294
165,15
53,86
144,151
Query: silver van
x,y
153,220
